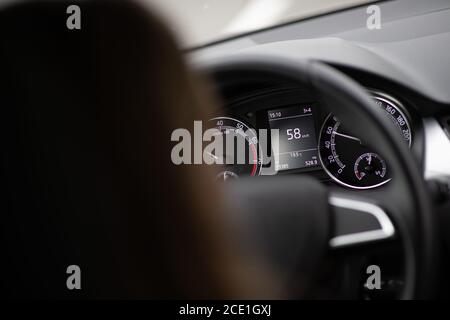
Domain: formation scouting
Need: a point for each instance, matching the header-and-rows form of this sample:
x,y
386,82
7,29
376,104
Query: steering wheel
x,y
297,221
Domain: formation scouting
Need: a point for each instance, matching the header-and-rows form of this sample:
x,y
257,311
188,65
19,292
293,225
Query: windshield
x,y
198,22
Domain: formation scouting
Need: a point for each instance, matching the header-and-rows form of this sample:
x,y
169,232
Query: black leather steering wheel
x,y
297,220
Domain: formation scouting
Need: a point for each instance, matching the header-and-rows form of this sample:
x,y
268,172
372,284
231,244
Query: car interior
x,y
346,137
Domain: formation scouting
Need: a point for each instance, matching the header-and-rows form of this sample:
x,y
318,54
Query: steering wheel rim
x,y
405,197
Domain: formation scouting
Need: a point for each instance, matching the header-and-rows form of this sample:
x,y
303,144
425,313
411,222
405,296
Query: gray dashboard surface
x,y
412,48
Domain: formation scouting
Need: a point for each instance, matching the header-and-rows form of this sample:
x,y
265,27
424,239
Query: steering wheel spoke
x,y
357,221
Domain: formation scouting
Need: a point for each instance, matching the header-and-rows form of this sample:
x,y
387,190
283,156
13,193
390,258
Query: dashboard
x,y
288,131
413,82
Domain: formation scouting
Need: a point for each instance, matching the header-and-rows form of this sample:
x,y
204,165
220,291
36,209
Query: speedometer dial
x,y
395,114
348,160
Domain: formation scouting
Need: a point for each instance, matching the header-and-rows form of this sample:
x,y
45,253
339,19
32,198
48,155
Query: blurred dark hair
x,y
86,120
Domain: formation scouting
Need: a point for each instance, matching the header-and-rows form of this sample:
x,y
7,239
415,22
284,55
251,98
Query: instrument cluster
x,y
285,134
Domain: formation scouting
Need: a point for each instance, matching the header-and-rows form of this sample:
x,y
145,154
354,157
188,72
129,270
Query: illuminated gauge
x,y
238,152
395,114
370,166
348,160
226,175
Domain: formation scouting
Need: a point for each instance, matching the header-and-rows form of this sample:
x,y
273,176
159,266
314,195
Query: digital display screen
x,y
297,142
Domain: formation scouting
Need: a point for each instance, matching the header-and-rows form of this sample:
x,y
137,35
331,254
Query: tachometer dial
x,y
240,154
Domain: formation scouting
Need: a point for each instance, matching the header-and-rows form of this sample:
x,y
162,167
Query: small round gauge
x,y
370,166
226,175
239,154
348,160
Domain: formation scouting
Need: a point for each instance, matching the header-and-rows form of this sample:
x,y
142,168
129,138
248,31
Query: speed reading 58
x,y
293,134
